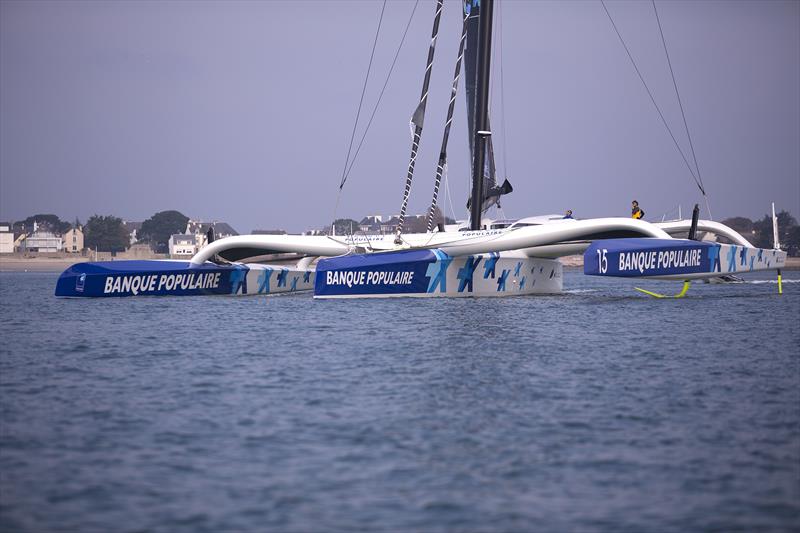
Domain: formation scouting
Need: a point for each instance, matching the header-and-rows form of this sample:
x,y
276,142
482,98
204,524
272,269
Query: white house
x,y
6,238
182,245
41,241
200,231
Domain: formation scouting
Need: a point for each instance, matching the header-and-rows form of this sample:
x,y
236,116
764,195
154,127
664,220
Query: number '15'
x,y
602,260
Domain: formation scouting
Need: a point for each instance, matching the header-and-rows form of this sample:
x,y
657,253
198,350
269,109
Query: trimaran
x,y
481,258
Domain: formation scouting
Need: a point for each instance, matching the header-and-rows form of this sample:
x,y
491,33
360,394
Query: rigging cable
x,y
363,91
652,99
499,29
680,104
502,89
491,180
383,89
448,195
358,113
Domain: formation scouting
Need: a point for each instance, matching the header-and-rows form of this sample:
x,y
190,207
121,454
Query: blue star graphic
x,y
263,280
489,264
465,273
713,259
282,277
501,281
238,279
732,259
437,271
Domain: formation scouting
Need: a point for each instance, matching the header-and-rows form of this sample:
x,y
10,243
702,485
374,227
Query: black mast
x,y
481,112
473,10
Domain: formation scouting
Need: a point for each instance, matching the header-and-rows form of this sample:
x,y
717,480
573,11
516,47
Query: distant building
x,y
415,224
6,238
371,224
268,232
182,245
390,226
73,240
134,230
41,241
200,231
18,240
380,225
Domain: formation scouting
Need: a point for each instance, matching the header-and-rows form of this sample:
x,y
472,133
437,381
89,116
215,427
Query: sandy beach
x,y
37,264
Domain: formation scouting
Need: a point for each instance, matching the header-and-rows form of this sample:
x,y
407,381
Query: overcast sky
x,y
242,112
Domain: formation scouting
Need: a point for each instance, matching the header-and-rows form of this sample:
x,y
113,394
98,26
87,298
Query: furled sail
x,y
491,191
446,135
417,120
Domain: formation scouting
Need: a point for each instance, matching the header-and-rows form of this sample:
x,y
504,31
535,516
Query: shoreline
x,y
41,264
50,264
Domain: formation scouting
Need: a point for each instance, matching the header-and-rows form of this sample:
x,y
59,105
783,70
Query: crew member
x,y
568,214
636,211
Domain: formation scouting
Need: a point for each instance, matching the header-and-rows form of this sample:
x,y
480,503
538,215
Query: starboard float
x,y
676,259
179,278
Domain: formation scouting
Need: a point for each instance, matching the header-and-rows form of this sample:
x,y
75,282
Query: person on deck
x,y
568,214
636,211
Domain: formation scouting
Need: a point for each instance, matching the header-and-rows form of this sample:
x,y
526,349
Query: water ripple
x,y
599,409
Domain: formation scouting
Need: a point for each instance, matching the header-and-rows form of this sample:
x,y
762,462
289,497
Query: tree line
x,y
759,232
107,233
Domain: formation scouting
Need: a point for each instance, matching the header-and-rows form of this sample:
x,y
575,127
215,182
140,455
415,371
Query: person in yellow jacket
x,y
636,212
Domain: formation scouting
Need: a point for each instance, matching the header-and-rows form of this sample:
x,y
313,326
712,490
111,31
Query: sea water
x,y
599,409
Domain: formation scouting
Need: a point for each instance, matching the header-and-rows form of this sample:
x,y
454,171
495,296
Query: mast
x,y
472,9
417,120
446,136
481,132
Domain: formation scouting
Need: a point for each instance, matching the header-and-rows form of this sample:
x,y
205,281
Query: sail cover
x,y
491,191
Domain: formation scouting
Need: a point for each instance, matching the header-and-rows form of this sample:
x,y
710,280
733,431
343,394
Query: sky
x,y
243,111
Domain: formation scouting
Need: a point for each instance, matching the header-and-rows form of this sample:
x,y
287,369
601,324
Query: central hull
x,y
434,273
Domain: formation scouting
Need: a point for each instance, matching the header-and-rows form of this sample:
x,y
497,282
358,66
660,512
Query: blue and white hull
x,y
434,273
179,278
676,259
